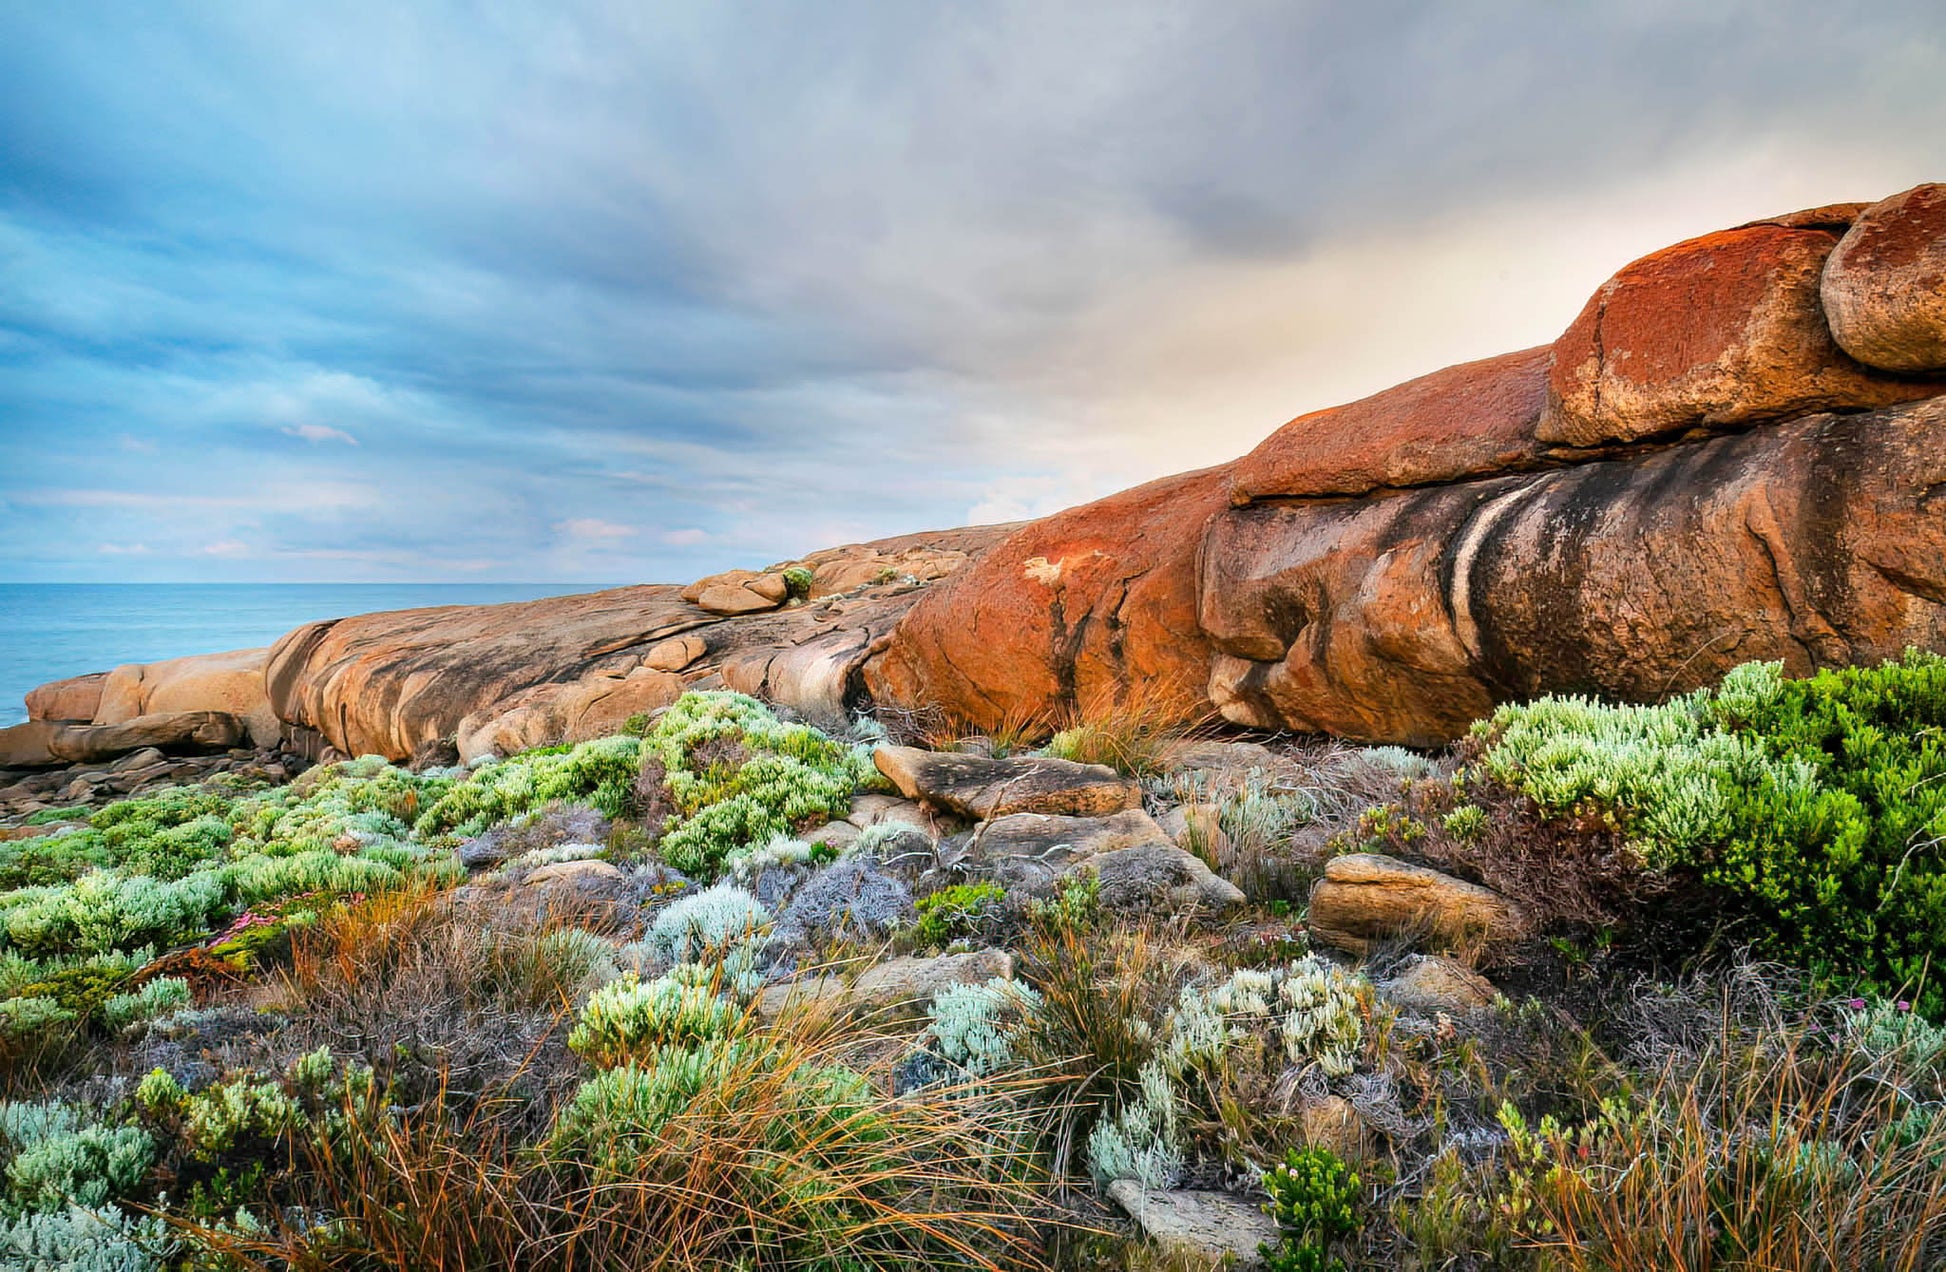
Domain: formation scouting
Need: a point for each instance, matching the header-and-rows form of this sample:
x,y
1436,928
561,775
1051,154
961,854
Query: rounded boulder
x,y
1884,286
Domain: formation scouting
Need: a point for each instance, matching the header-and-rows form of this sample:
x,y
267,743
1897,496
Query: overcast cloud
x,y
630,292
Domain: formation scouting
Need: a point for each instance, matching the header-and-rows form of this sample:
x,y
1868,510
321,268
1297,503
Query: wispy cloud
x,y
320,433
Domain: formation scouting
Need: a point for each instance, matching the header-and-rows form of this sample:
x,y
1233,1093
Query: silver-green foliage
x,y
56,1157
600,773
979,1027
783,776
82,1240
630,1018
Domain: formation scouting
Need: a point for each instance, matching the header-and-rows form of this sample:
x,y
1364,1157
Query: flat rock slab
x,y
979,787
164,731
907,982
1367,896
1210,1225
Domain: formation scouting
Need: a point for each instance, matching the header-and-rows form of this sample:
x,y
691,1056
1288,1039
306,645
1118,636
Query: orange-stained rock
x,y
1722,330
231,682
1884,287
1818,542
1082,608
71,701
1467,420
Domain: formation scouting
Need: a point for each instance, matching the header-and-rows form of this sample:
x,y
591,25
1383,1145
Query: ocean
x,y
51,630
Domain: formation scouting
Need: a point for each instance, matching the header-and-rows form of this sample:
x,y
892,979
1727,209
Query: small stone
x,y
137,759
837,834
1202,1225
1331,1122
1428,983
1366,897
675,654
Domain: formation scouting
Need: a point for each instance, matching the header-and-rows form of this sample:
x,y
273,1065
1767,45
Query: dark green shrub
x,y
1313,1198
1814,809
954,913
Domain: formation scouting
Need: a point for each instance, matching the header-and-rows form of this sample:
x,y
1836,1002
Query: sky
x,y
635,292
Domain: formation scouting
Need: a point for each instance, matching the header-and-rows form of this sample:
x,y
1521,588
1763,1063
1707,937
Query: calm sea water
x,y
51,630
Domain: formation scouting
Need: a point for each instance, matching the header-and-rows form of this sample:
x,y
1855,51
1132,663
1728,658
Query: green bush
x,y
736,775
1815,809
627,1019
600,773
955,913
1313,1198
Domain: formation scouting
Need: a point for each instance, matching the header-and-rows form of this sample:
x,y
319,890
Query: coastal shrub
x,y
979,1027
160,996
61,857
1313,1198
707,925
764,1152
735,775
1815,809
1142,1139
849,900
628,1018
85,1165
599,773
954,913
171,867
81,1240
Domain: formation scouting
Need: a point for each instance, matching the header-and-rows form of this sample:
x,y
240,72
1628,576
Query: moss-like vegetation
x,y
737,776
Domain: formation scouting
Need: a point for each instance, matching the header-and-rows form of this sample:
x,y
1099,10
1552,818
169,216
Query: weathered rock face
x,y
71,701
1721,330
164,731
506,677
1080,608
1884,286
1817,542
1694,475
1464,421
230,682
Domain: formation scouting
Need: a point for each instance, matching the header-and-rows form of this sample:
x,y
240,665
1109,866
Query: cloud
x,y
681,289
227,548
320,433
594,528
124,549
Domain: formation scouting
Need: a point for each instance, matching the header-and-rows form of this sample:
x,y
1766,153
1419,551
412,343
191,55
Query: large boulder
x,y
26,745
1716,332
1884,285
1694,475
1403,619
1089,607
169,731
231,683
1467,420
71,701
564,668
